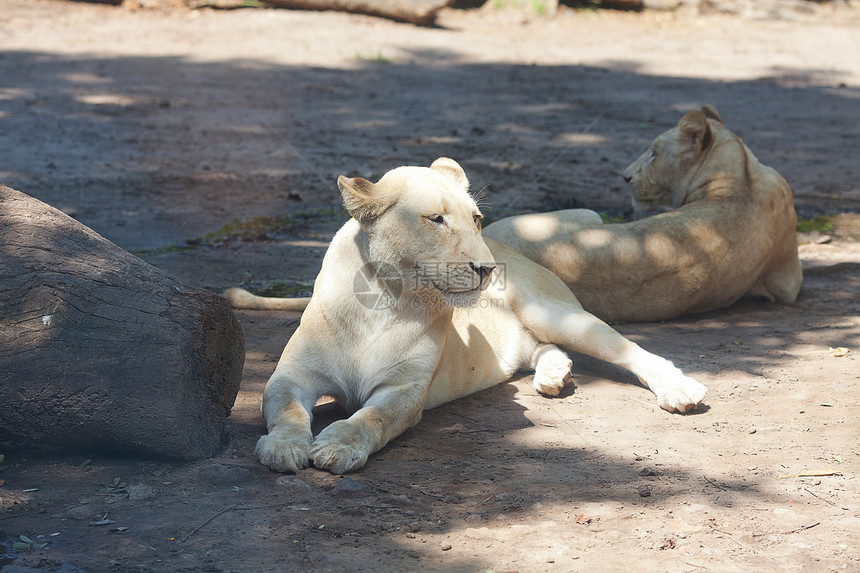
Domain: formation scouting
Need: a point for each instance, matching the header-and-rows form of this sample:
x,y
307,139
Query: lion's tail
x,y
240,298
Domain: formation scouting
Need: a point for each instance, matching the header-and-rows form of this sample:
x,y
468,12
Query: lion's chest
x,y
484,347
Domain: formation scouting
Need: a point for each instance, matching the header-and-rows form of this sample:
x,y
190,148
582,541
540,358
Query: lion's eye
x,y
438,219
478,221
652,156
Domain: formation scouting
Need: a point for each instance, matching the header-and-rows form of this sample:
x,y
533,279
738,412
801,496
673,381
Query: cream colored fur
x,y
460,315
731,232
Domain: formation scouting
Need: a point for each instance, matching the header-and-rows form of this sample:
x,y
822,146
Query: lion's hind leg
x,y
552,368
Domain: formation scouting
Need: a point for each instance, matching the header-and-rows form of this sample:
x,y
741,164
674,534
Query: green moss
x,y
162,250
378,58
611,218
254,229
820,223
282,289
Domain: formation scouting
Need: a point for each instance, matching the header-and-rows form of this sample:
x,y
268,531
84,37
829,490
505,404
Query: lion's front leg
x,y
287,406
675,391
573,328
552,369
345,445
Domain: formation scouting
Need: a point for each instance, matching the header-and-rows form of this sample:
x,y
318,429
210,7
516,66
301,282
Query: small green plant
x,y
282,289
27,544
162,250
378,58
539,7
611,218
251,3
118,487
820,223
254,229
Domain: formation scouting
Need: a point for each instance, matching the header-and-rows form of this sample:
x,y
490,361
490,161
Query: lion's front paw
x,y
284,454
550,379
340,448
681,394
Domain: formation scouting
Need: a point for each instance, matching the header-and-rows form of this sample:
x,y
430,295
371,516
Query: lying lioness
x,y
411,309
732,232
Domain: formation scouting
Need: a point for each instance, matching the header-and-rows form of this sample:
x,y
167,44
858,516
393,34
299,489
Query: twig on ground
x,y
199,527
713,483
234,508
817,473
732,538
819,497
644,402
799,529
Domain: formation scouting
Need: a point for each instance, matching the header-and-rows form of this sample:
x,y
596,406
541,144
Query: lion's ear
x,y
711,112
360,197
695,133
451,169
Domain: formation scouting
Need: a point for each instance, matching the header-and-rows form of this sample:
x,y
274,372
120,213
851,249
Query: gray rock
x,y
294,484
220,474
140,492
348,486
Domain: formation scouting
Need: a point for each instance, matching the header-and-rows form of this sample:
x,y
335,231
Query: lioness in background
x,y
411,309
731,233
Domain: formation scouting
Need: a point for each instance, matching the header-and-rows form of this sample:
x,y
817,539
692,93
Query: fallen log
x,y
100,350
420,12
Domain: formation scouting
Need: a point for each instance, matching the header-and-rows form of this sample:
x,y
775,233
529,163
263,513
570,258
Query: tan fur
x,y
731,232
466,315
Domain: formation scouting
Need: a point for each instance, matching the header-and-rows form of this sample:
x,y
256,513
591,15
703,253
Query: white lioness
x,y
731,233
411,309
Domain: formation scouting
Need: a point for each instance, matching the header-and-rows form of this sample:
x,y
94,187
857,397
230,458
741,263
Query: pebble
x,y
398,500
644,491
347,486
293,484
220,474
140,492
82,512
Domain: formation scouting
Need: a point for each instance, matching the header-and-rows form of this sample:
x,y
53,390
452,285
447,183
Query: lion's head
x,y
423,222
663,175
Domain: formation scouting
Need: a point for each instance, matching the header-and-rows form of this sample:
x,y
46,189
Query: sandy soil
x,y
156,128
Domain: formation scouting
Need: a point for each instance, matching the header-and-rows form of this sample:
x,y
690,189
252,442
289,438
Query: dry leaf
x,y
583,519
839,352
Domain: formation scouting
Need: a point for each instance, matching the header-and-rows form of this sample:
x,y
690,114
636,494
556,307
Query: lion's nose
x,y
483,271
627,178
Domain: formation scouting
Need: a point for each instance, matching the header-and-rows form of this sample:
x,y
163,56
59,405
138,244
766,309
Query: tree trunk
x,y
100,350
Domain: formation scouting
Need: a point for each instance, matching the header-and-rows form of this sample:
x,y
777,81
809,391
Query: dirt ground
x,y
157,129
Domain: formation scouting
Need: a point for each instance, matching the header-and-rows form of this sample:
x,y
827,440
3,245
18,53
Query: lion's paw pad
x,y
287,455
551,379
336,457
683,395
